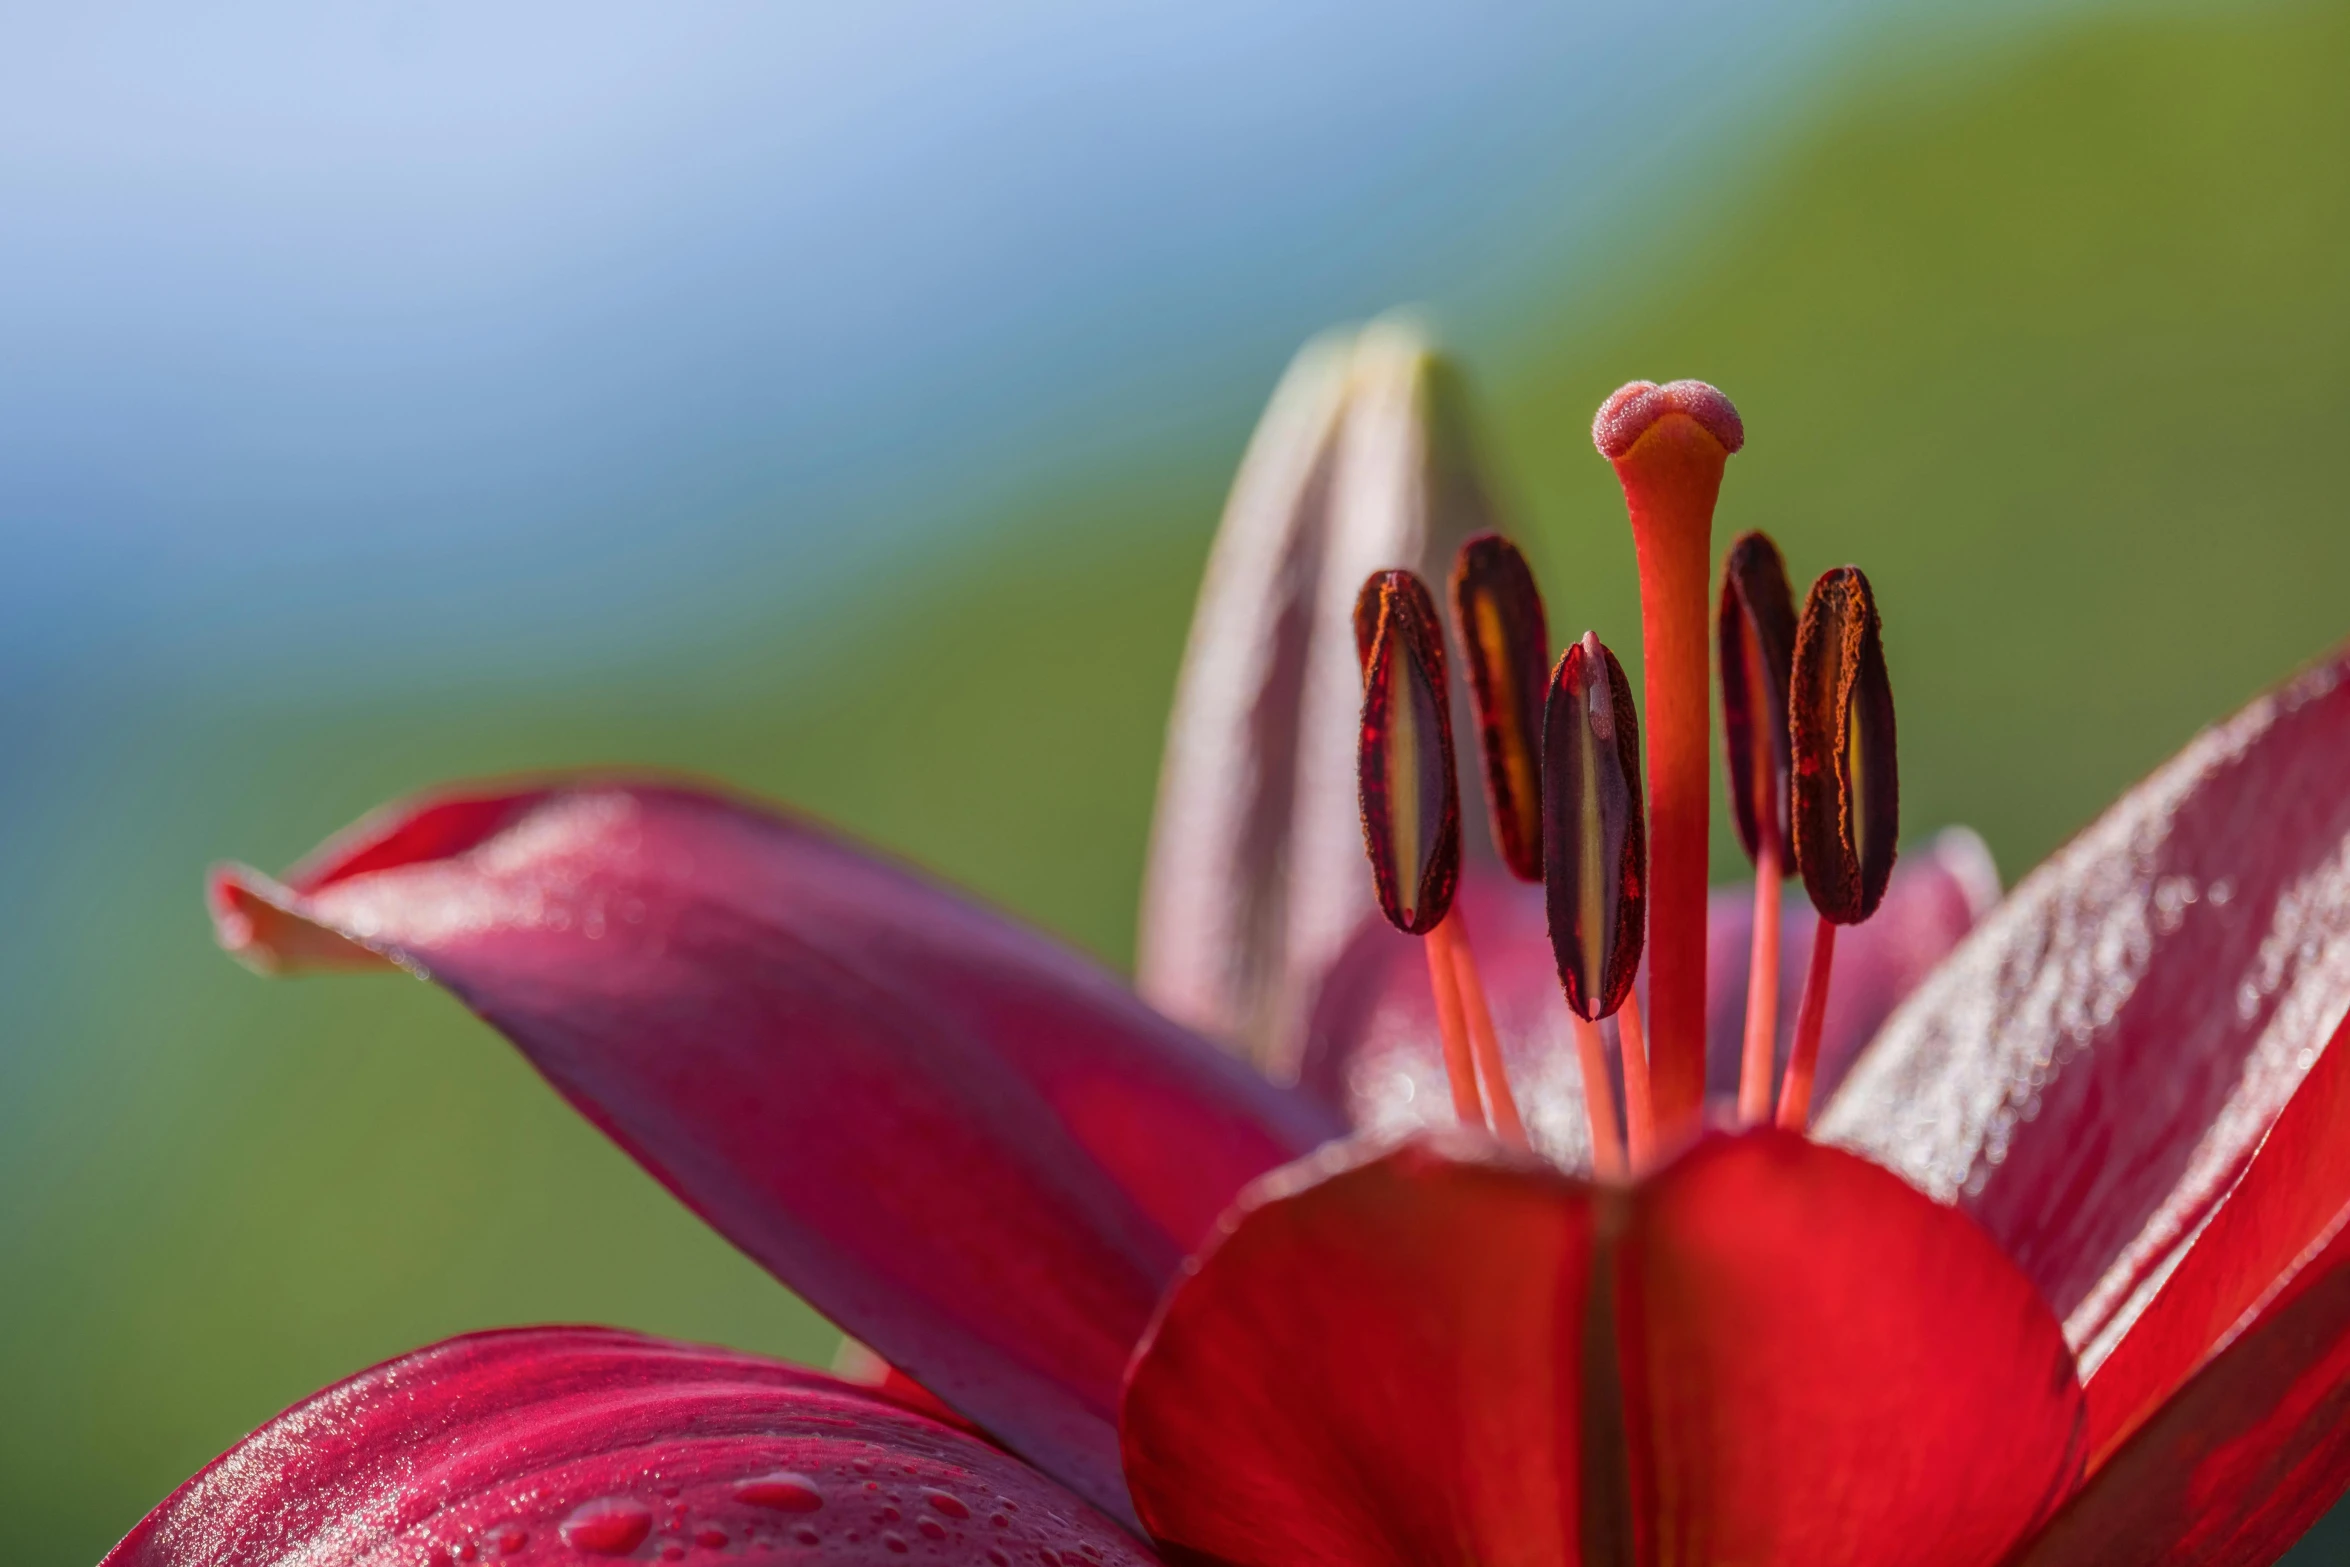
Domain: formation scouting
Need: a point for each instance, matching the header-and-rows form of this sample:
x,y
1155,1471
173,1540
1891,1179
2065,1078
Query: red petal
x,y
2090,1070
1399,1360
2294,1195
570,1444
972,1149
1372,1048
2249,1454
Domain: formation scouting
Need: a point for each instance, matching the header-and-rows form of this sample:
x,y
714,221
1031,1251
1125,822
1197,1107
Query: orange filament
x,y
1639,1107
1501,1106
1599,1100
1762,989
1460,1065
1804,1060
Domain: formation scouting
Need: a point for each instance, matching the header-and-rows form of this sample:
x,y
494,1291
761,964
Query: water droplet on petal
x,y
509,1539
710,1538
947,1502
608,1526
895,1542
997,1555
783,1491
932,1529
806,1536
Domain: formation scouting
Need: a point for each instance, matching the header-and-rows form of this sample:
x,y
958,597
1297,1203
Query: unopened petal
x,y
1255,878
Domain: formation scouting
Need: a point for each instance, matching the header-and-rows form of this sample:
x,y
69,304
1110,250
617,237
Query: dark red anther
x,y
1498,612
1847,790
1754,628
1594,834
1411,804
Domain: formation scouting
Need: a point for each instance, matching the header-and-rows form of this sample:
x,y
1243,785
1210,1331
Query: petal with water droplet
x,y
481,1446
770,1016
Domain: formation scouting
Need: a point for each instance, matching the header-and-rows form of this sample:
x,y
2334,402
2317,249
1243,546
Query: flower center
x,y
1809,741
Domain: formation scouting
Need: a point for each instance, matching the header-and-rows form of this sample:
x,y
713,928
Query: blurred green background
x,y
2045,325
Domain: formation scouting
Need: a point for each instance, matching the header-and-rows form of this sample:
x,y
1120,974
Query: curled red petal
x,y
563,1445
1371,1042
1768,1351
968,1146
2091,1069
2238,1464
2293,1196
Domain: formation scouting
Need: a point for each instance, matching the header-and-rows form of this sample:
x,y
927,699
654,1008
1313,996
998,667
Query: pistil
x,y
1845,796
1669,445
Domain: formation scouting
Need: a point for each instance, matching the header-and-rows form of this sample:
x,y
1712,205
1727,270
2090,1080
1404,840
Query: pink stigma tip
x,y
1625,417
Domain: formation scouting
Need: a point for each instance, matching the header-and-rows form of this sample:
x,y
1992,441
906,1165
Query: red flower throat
x,y
1808,711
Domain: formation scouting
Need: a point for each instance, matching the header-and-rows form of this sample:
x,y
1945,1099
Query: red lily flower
x,y
2104,1319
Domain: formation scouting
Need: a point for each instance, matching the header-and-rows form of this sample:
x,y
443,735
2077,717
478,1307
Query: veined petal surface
x,y
971,1148
568,1445
1255,880
1371,1046
2090,1071
2243,1459
1767,1352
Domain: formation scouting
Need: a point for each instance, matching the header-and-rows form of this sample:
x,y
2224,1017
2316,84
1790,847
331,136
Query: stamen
x,y
1669,445
1803,1061
1607,1141
1755,638
1845,795
1501,1106
1639,1103
1594,851
1460,1062
1411,801
1506,641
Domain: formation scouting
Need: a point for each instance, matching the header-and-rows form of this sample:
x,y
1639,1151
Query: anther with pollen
x,y
1505,640
1595,870
1410,801
1754,637
1845,795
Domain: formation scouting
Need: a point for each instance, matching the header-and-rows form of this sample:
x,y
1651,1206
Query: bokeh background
x,y
839,400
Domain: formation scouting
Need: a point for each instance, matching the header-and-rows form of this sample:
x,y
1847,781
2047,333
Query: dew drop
x,y
896,1542
999,1520
784,1491
710,1538
1047,1555
510,1538
673,1550
932,1529
608,1526
947,1502
806,1536
891,1515
997,1555
468,1552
